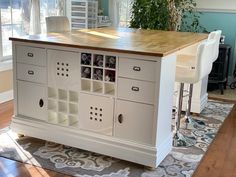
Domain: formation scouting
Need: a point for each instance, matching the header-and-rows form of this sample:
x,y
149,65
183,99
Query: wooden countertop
x,y
124,40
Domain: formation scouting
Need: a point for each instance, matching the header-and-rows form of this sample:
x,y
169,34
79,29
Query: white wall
x,y
217,5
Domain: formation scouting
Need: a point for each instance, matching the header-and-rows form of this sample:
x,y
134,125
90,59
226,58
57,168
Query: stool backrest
x,y
204,59
57,24
216,36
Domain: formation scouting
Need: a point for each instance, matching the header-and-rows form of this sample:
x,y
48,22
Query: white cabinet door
x,y
32,100
96,113
63,69
134,121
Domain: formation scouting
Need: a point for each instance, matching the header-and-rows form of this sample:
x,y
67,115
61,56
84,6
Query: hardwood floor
x,y
219,160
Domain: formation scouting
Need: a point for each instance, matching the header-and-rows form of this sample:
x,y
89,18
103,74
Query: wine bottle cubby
x,y
63,107
98,73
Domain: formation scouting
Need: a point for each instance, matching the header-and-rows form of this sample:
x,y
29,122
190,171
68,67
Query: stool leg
x,y
190,122
180,139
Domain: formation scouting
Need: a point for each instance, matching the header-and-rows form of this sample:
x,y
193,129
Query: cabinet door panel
x,y
96,113
134,121
32,100
63,69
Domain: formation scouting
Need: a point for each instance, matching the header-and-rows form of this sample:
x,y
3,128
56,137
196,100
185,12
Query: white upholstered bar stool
x,y
186,75
187,58
189,61
57,24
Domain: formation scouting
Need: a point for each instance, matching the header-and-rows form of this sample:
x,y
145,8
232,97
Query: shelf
x,y
62,94
52,117
110,62
97,87
85,85
52,105
73,96
97,74
109,89
63,119
73,109
73,121
62,107
86,72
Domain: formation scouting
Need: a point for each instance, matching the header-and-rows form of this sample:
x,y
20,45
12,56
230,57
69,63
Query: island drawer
x,y
31,55
137,69
133,90
31,73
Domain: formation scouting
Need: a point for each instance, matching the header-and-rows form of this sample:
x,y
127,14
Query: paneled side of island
x,y
117,104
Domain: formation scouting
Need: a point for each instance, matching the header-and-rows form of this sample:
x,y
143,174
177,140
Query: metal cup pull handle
x,y
30,54
135,89
136,68
30,72
41,103
120,118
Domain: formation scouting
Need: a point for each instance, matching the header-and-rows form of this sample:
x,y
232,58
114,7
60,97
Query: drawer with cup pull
x,y
31,55
31,73
137,69
133,90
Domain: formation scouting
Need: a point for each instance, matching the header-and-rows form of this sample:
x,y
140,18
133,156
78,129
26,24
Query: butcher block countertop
x,y
122,40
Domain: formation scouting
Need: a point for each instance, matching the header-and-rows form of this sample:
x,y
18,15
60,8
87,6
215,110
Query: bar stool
x,y
189,61
57,24
186,75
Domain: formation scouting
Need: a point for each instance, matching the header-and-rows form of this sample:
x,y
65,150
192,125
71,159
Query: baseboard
x,y
6,96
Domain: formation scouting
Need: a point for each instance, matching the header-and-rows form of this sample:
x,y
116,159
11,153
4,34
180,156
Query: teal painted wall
x,y
104,6
225,22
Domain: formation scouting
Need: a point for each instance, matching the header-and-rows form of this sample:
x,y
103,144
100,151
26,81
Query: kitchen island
x,y
104,90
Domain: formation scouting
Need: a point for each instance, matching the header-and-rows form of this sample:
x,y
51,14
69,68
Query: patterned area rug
x,y
180,162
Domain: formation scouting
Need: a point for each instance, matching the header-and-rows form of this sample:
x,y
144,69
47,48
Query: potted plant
x,y
172,15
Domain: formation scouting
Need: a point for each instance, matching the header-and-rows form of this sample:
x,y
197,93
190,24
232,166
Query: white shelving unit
x,y
83,13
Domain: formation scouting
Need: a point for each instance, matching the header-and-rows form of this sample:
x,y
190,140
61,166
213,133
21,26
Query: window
x,y
125,12
120,12
15,20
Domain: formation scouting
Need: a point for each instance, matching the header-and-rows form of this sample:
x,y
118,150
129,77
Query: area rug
x,y
181,162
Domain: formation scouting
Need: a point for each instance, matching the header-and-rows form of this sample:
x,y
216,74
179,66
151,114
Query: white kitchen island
x,y
107,90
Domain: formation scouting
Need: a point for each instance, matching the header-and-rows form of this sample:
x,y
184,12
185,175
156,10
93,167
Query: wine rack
x,y
98,73
62,107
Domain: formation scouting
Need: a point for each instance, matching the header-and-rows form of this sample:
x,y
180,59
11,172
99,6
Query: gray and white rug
x,y
180,162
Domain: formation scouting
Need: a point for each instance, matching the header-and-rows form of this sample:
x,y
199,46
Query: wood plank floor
x,y
219,161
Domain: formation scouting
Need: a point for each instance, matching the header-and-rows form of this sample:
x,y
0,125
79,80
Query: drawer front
x,y
31,73
133,90
137,69
32,100
31,55
134,121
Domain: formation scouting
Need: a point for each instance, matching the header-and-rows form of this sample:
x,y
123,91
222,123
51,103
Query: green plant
x,y
165,15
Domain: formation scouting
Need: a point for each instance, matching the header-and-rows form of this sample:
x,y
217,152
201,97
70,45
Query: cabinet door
x,y
96,113
31,100
63,69
134,121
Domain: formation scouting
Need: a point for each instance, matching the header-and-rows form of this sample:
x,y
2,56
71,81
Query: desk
x,y
104,90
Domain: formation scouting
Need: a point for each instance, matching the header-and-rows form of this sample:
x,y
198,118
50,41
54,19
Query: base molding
x,y
147,155
6,96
